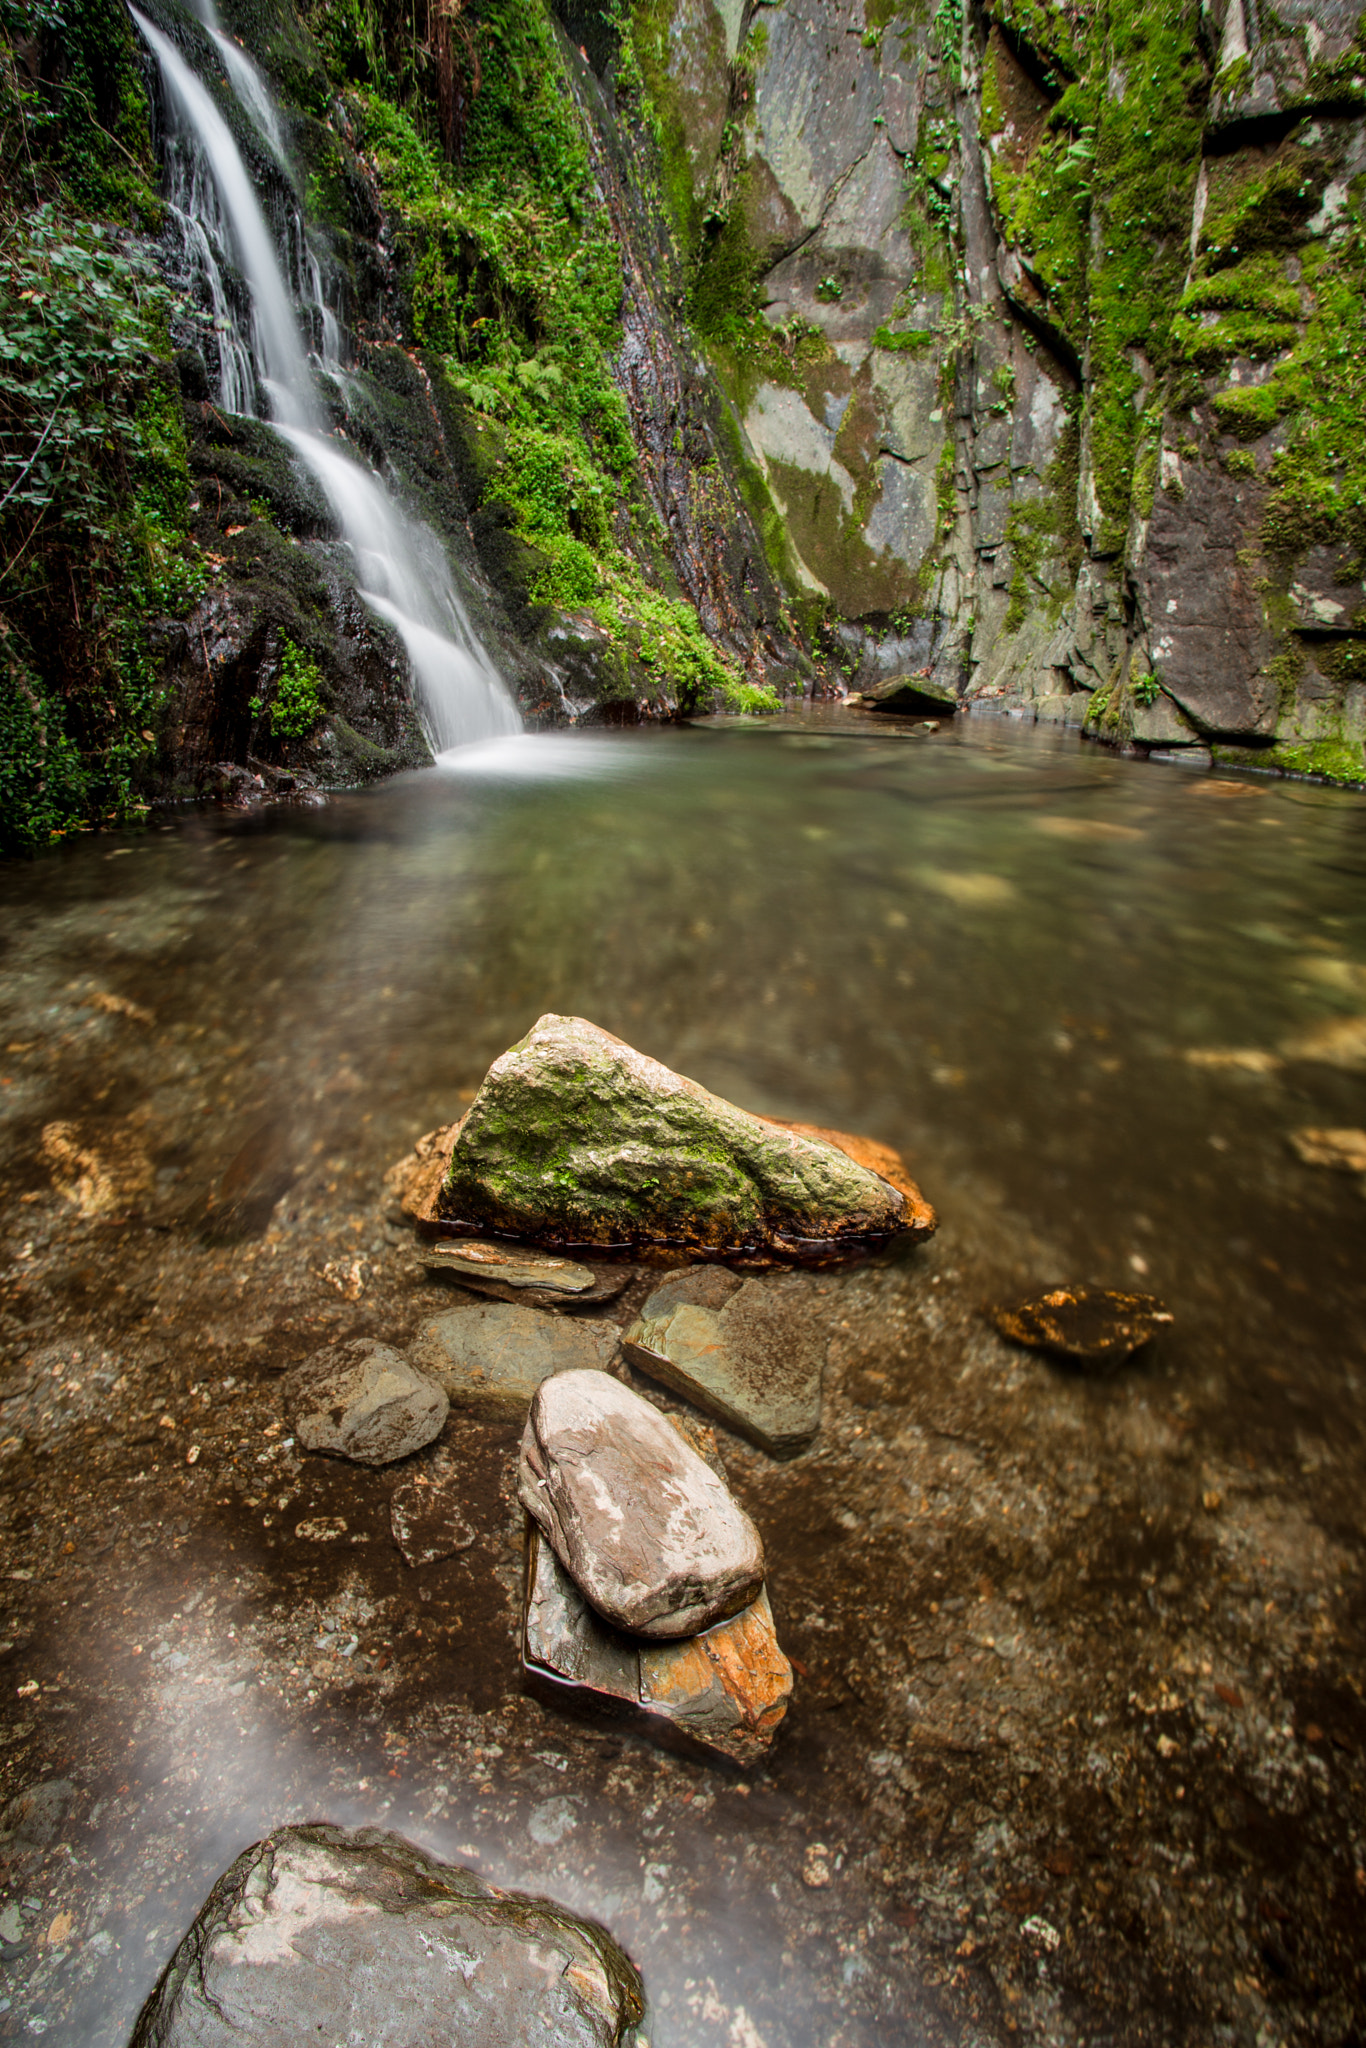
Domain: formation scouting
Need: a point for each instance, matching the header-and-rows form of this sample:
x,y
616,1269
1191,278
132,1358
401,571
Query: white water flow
x,y
401,569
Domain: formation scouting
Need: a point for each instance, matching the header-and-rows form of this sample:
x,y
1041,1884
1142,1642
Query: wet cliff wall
x,y
734,350
1045,326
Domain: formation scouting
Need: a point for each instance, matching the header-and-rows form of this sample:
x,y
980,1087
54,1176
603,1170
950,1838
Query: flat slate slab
x,y
490,1356
331,1934
1089,1325
575,1140
726,1689
651,1536
364,1401
471,1259
748,1352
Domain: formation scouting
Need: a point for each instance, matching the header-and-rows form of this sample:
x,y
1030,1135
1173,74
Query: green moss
x,y
906,341
1336,760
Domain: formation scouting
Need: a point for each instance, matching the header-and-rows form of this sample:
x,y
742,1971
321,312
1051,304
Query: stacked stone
x,y
645,1577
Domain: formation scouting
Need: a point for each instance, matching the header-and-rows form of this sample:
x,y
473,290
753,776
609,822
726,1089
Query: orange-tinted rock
x,y
726,1690
1093,1325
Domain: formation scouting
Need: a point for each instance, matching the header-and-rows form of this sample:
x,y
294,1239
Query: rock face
x,y
364,1401
648,1532
1091,1325
491,1356
726,1689
574,1138
744,1351
333,1934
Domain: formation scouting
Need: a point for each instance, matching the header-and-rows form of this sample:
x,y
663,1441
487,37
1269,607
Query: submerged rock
x,y
364,1401
427,1519
649,1533
1345,1150
330,1934
744,1351
575,1139
726,1688
491,1356
1093,1325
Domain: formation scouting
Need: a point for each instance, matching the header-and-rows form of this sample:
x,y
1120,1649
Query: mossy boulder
x,y
575,1138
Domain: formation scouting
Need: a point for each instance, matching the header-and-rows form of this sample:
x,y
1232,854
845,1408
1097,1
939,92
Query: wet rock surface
x,y
521,1275
364,1401
575,1138
725,1689
748,1352
355,1934
492,1356
1087,1325
514,1268
649,1533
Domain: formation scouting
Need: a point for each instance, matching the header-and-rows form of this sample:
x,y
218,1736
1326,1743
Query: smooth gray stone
x,y
491,1356
364,1401
330,1934
747,1352
651,1536
513,1265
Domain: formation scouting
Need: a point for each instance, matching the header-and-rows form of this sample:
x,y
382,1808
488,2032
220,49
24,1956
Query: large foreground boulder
x,y
334,1934
648,1532
575,1139
725,1690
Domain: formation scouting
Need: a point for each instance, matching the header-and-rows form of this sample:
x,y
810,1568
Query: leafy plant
x,y
1145,688
830,291
297,706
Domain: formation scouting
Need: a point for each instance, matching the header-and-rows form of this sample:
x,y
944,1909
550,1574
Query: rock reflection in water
x,y
1076,1740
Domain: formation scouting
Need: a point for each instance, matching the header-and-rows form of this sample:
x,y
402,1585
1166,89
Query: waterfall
x,y
401,569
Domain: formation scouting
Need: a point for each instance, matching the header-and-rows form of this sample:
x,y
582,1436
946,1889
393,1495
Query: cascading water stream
x,y
401,569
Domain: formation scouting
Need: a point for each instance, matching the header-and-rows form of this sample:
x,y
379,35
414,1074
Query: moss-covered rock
x,y
574,1138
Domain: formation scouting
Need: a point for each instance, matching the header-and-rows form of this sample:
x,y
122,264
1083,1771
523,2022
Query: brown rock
x,y
1343,1149
726,1689
1092,1325
649,1534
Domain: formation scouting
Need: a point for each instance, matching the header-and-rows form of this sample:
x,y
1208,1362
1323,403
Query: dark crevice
x,y
1268,131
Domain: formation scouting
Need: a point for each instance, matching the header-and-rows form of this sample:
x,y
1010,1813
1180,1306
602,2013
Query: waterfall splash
x,y
401,569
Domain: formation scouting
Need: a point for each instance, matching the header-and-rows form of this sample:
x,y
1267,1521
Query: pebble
x,y
364,1401
726,1689
1089,1325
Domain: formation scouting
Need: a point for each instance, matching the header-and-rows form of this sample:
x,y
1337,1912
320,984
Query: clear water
x,y
993,948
